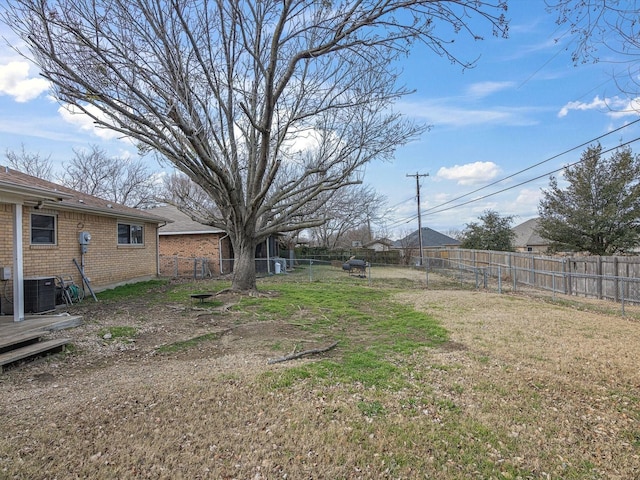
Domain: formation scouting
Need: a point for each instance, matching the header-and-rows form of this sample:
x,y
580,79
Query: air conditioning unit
x,y
39,294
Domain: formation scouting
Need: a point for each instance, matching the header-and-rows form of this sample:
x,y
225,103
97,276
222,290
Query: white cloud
x,y
615,107
471,173
15,81
443,113
73,115
528,196
484,89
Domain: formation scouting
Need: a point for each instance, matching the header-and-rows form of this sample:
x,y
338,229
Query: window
x,y
43,229
129,234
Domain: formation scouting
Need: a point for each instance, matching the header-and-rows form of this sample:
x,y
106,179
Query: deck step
x,y
20,338
31,350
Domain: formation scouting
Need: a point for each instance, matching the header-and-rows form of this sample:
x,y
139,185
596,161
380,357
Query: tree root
x,y
294,356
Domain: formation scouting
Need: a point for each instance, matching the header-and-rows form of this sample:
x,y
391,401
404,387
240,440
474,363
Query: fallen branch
x,y
293,356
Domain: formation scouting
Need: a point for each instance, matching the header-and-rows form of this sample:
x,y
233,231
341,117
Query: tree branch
x,y
294,356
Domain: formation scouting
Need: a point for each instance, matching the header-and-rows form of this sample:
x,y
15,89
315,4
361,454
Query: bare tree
x,y
226,90
349,209
409,250
120,180
30,163
455,233
180,191
602,28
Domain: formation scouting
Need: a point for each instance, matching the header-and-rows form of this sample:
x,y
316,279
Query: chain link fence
x,y
436,272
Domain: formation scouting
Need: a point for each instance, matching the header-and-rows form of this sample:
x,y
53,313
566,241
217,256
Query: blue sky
x,y
524,103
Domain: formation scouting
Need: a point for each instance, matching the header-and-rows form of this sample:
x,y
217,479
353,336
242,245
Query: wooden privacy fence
x,y
611,278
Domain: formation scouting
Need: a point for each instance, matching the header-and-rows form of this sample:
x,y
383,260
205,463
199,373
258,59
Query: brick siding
x,y
106,263
192,246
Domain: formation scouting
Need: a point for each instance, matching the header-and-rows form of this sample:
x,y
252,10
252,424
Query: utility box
x,y
39,294
5,273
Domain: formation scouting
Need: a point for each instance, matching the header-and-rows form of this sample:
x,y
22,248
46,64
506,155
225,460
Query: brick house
x,y
43,226
183,241
191,249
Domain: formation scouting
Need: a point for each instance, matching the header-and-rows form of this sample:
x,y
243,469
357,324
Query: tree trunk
x,y
244,265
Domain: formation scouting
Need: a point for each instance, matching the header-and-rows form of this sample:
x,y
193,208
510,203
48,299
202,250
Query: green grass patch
x,y
130,290
70,349
114,333
186,344
372,409
372,330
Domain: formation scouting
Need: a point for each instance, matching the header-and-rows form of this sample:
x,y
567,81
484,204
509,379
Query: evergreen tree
x,y
493,232
599,210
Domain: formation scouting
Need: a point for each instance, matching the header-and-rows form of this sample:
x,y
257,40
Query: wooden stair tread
x,y
30,350
21,338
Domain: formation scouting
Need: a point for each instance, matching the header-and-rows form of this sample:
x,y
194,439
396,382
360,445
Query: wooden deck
x,y
21,340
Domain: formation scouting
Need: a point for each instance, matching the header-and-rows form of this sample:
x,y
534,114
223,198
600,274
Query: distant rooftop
x,y
430,238
181,224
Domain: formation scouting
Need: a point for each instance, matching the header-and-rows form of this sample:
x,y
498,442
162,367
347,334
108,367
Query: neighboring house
x,y
44,225
409,246
379,245
185,238
527,238
430,239
187,245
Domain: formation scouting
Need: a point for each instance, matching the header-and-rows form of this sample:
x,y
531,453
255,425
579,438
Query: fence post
x,y
499,279
515,278
622,295
310,274
616,273
426,272
532,271
175,274
599,278
569,277
510,257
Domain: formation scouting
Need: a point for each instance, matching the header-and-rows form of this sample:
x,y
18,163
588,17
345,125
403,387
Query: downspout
x,y
220,251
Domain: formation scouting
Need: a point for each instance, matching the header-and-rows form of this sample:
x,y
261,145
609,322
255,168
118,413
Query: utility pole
x,y
418,175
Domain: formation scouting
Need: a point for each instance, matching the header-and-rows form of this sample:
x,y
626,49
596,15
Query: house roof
x,y
526,234
181,223
381,241
18,186
430,238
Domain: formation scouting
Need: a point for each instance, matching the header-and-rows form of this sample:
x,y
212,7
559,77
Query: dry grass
x,y
524,388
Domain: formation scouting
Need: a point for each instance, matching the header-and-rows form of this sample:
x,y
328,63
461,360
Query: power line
x,y
438,208
530,168
527,181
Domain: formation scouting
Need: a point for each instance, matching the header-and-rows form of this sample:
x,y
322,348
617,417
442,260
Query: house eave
x,y
108,212
193,232
12,193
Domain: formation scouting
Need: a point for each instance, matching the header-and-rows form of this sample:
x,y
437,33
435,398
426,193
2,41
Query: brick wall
x,y
106,263
193,246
